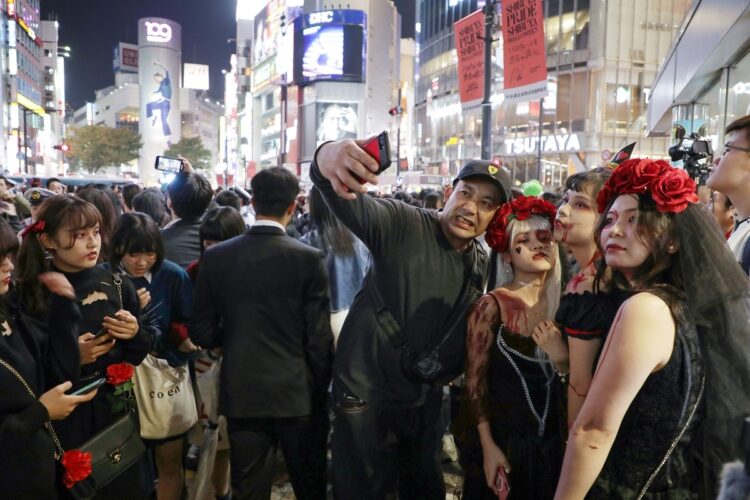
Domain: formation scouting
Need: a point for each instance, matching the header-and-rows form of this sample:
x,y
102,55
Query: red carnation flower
x,y
646,171
77,466
119,373
673,191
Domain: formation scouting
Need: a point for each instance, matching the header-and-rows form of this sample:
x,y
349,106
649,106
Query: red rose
x,y
544,209
603,198
119,373
673,191
621,181
77,466
647,171
496,236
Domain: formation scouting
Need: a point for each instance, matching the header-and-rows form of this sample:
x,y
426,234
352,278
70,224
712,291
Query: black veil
x,y
718,301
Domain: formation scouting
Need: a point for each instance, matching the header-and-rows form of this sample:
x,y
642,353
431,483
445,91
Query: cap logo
x,y
36,195
492,169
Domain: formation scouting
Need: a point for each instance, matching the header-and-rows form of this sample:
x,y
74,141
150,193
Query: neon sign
x,y
158,32
320,17
550,144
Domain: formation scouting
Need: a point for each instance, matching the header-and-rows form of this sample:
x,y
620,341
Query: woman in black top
x,y
69,233
48,361
674,367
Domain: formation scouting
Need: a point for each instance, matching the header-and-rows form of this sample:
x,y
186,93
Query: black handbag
x,y
114,449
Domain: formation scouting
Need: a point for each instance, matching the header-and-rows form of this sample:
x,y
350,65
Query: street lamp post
x,y
489,18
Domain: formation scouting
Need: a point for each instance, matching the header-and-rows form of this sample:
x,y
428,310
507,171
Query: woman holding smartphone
x,y
47,360
66,237
513,353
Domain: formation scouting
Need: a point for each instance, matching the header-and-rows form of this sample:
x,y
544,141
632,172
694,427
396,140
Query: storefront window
x,y
738,97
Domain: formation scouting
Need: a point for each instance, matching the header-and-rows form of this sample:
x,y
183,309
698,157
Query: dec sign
x,y
158,32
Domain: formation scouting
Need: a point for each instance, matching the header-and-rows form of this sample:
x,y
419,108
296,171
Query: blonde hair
x,y
552,286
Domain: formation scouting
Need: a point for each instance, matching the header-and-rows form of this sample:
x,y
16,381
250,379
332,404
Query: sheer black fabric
x,y
717,301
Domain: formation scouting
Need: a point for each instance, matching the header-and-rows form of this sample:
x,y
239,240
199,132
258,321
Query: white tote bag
x,y
166,402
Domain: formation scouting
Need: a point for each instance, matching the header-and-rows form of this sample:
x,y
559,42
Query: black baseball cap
x,y
490,171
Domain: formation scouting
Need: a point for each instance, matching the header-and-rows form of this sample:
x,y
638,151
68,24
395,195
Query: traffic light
x,y
62,147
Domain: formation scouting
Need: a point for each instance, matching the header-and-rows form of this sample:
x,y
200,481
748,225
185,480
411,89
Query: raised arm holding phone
x,y
414,297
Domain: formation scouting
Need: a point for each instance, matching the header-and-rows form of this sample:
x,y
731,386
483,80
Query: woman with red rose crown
x,y
67,234
514,420
670,389
47,361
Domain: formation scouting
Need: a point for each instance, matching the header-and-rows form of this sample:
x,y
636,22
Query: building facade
x,y
23,83
310,71
704,82
602,58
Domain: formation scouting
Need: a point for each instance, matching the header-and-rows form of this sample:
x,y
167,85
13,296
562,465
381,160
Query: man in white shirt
x,y
731,176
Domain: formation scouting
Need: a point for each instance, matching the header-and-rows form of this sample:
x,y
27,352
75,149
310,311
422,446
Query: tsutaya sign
x,y
550,144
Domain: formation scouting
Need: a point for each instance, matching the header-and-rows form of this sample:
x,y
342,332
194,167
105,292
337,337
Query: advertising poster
x,y
470,48
159,75
524,52
336,121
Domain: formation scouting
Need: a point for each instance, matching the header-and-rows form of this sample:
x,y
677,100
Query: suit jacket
x,y
269,293
182,242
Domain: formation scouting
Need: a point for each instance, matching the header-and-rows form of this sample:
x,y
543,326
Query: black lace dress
x,y
532,440
653,421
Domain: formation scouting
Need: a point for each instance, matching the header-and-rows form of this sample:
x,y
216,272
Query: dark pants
x,y
253,444
386,450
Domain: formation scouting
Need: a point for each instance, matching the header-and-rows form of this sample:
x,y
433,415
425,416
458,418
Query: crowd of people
x,y
599,336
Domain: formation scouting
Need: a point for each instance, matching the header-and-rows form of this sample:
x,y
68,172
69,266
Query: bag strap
x,y
681,432
117,280
48,425
474,277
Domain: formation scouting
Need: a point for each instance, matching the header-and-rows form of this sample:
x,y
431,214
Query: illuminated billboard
x,y
195,76
330,45
125,58
336,121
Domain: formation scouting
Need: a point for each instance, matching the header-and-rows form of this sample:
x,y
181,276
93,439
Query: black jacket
x,y
182,242
270,292
44,357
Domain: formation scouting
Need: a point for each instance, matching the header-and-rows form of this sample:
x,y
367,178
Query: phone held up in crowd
x,y
167,164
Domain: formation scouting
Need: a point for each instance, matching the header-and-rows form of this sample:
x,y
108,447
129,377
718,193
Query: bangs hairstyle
x,y
8,240
658,274
136,232
552,286
590,182
63,216
220,224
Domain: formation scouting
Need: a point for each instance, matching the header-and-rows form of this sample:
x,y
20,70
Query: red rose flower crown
x,y
672,189
521,208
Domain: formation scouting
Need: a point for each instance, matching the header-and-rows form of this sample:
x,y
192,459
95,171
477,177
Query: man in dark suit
x,y
270,294
189,196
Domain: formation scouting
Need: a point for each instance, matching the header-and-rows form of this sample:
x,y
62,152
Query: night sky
x,y
92,28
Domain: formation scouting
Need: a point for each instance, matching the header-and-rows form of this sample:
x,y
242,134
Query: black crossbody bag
x,y
443,359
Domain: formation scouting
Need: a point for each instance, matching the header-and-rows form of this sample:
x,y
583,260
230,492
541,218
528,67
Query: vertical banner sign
x,y
524,54
470,48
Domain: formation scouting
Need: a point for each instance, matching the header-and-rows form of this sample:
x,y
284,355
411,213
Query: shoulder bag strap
x,y
681,431
117,280
48,425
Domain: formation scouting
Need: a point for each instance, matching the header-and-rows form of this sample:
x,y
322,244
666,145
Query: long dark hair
x,y
57,212
136,232
660,273
333,233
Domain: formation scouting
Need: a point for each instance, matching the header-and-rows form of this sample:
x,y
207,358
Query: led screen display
x,y
330,50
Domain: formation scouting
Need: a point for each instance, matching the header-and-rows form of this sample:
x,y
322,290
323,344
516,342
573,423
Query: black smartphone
x,y
89,387
167,164
379,147
100,333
